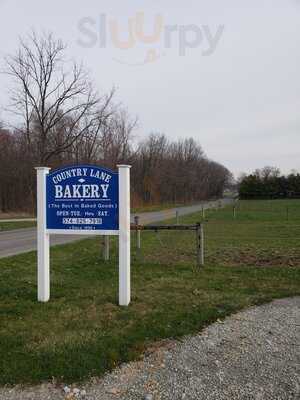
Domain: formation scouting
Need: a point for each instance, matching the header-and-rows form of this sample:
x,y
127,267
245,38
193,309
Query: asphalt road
x,y
24,240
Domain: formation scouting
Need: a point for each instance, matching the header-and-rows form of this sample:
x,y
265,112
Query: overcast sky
x,y
224,72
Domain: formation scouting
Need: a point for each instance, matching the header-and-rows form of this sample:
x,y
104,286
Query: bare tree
x,y
115,141
267,172
54,98
64,120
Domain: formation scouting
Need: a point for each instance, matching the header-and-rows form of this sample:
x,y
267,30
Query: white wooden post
x,y
42,237
124,235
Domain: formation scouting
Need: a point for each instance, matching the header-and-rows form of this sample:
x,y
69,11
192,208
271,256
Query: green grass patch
x,y
261,210
82,332
10,226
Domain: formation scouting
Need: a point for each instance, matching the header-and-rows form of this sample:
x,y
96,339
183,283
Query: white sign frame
x,y
43,235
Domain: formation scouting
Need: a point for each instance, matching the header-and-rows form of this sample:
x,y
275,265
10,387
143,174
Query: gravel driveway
x,y
251,355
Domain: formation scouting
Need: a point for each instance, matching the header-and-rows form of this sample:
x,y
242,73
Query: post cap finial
x,y
123,166
42,168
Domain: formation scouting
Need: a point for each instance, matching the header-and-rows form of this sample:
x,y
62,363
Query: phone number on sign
x,y
82,221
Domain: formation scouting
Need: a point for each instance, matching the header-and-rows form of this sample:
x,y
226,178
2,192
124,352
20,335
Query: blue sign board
x,y
82,197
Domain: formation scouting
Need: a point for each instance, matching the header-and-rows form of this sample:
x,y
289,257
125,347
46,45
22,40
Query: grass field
x,y
82,332
263,233
9,226
263,211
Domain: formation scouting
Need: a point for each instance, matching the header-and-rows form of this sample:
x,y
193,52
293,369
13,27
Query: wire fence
x,y
256,233
246,233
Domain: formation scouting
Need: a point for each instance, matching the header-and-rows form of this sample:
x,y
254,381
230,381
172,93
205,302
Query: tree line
x,y
60,119
269,183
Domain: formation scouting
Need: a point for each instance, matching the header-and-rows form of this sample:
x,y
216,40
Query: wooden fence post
x,y
203,212
234,212
200,244
138,233
106,248
177,217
